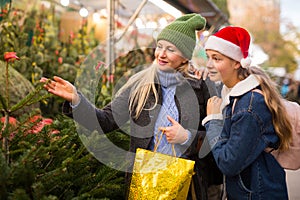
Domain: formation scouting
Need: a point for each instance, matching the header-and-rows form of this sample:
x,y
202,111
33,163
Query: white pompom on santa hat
x,y
232,42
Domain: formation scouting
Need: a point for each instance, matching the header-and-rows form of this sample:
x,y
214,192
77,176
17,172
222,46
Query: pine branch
x,y
3,102
29,99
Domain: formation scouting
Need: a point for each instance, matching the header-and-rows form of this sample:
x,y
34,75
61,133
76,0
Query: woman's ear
x,y
185,61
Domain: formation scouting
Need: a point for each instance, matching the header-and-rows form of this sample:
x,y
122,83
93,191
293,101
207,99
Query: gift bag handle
x,y
158,142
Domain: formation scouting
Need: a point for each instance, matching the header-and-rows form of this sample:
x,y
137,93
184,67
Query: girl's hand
x,y
201,73
213,105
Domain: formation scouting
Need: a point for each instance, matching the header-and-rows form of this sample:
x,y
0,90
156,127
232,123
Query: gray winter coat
x,y
191,97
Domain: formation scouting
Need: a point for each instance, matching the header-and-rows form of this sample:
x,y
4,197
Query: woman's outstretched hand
x,y
61,88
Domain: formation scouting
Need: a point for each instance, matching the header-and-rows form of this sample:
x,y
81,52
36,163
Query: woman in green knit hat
x,y
161,97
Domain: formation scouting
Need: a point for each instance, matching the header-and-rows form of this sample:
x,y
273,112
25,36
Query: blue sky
x,y
290,11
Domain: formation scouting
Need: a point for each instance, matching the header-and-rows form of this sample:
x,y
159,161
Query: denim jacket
x,y
238,142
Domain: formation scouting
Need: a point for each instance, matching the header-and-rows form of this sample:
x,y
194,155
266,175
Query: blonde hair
x,y
274,102
141,84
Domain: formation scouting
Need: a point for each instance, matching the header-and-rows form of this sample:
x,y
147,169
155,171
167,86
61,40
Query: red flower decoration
x,y
38,123
10,56
60,60
111,78
99,65
11,120
104,78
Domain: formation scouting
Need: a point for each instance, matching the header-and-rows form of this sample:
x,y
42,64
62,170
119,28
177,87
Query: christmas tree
x,y
41,155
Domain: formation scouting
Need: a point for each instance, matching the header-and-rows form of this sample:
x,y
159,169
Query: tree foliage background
x,y
41,155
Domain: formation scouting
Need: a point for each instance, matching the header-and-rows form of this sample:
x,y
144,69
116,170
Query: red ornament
x,y
10,56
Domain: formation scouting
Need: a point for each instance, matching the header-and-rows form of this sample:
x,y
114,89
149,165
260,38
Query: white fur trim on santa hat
x,y
246,62
224,47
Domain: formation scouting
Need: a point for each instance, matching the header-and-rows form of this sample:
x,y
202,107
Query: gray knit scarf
x,y
168,82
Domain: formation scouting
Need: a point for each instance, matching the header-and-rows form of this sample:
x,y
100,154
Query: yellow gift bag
x,y
158,176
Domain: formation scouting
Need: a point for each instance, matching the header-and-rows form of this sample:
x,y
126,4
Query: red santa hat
x,y
232,42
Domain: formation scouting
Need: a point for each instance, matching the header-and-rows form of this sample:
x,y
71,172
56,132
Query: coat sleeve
x,y
104,120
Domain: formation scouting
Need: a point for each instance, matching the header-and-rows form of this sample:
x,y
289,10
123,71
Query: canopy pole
x,y
132,18
110,40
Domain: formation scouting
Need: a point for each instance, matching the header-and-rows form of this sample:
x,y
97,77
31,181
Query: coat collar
x,y
239,89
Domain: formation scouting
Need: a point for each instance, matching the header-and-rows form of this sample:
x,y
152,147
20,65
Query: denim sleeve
x,y
213,131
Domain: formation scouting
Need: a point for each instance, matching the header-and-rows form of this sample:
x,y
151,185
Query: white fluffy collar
x,y
239,89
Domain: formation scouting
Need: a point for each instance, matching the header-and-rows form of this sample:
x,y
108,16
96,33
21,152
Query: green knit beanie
x,y
181,32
